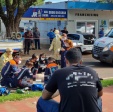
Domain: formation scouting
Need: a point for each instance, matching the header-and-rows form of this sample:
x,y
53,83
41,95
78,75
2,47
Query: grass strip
x,y
16,96
107,82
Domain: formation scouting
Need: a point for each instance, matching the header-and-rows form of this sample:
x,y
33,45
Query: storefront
x,y
89,17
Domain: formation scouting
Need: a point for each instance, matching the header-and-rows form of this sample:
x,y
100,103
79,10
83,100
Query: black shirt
x,y
64,31
78,87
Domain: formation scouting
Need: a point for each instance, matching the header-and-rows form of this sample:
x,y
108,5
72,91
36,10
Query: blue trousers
x,y
63,62
53,106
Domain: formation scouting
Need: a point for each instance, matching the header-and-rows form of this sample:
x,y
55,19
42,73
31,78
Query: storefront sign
x,y
46,14
86,14
43,13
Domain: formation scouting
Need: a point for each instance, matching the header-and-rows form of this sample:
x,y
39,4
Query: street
x,y
104,70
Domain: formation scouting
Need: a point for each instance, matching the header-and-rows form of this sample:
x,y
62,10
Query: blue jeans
x,y
53,106
47,105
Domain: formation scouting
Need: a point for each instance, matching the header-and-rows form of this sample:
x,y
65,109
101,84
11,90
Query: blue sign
x,y
89,5
42,13
45,13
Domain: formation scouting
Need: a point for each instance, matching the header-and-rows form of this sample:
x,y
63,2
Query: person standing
x,y
36,35
51,35
56,46
64,30
5,57
28,37
66,44
101,33
54,29
79,88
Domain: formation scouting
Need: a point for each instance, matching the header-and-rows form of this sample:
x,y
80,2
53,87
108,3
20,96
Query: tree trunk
x,y
11,26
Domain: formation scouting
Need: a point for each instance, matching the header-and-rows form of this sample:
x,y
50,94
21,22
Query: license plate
x,y
95,55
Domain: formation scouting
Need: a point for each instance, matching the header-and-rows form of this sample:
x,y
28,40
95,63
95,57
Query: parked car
x,y
83,41
103,48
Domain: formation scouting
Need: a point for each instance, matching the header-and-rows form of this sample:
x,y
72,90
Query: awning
x,y
89,5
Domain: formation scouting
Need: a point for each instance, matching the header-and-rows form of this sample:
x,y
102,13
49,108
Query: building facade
x,y
78,16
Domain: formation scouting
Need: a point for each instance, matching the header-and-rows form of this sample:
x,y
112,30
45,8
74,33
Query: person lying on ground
x,y
10,70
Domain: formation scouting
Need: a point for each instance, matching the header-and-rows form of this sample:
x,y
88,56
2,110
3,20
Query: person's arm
x,y
15,69
46,95
71,44
50,88
99,87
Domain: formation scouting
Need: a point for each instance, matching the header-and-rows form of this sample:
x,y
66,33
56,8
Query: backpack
x,y
4,91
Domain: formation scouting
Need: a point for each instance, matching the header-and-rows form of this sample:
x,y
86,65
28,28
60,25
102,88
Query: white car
x,y
84,41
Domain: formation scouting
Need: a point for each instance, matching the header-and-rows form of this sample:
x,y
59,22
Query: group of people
x,y
31,39
60,45
51,34
13,76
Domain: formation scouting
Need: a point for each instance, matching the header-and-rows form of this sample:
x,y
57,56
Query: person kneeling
x,y
25,77
50,69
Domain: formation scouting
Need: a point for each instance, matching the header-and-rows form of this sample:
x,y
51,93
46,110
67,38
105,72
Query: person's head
x,y
64,36
57,32
51,30
29,65
73,57
17,59
42,56
51,60
34,58
9,51
36,29
22,30
28,30
54,28
102,29
65,28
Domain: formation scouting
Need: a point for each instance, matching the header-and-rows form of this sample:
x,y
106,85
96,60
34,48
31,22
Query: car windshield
x,y
110,34
89,37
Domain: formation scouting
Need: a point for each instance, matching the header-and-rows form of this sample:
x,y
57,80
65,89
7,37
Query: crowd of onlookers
x,y
13,76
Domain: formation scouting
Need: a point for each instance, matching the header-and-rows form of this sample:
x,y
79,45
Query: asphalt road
x,y
104,70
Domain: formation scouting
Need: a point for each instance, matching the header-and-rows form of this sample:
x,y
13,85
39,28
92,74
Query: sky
x,y
65,0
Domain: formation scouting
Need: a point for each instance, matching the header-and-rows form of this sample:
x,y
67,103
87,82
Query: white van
x,y
103,48
84,41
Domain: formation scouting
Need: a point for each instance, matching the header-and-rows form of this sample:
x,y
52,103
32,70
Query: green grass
x,y
108,82
16,96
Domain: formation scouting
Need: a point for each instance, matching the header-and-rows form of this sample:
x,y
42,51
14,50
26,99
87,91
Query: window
x,y
81,27
73,36
111,23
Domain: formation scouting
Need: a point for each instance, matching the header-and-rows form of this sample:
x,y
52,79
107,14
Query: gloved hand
x,y
50,49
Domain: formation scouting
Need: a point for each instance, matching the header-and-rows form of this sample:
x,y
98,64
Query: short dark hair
x,y
74,55
17,56
29,64
34,56
51,59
